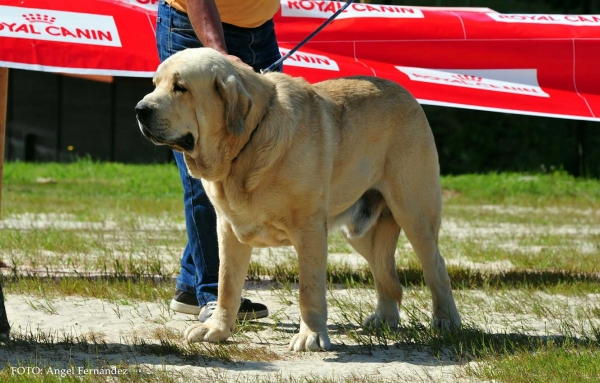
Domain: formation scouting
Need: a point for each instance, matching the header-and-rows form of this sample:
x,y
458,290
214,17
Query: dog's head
x,y
199,107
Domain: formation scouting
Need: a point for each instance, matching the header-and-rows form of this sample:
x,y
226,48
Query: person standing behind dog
x,y
243,31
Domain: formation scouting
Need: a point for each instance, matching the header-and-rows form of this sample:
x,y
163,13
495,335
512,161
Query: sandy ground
x,y
122,325
120,328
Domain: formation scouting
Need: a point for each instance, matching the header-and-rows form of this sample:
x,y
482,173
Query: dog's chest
x,y
260,234
253,223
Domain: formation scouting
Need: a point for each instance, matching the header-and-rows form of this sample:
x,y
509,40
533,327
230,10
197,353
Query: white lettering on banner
x,y
324,10
309,60
147,2
573,20
517,81
149,5
70,27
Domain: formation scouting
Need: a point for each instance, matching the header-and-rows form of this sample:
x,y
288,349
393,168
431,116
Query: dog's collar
x,y
256,128
247,142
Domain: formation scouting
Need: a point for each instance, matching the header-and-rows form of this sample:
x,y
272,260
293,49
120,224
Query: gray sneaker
x,y
248,310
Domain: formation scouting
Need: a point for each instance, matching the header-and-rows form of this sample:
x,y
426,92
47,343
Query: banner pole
x,y
4,325
3,105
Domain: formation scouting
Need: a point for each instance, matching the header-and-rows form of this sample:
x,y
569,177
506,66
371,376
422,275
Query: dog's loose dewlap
x,y
284,162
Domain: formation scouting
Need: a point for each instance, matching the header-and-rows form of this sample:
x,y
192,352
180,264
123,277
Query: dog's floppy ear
x,y
236,100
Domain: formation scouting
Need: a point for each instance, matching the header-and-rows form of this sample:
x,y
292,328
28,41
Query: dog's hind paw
x,y
204,332
310,341
446,324
376,321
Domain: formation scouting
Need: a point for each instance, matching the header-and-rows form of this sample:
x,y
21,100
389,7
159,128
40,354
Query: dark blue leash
x,y
278,62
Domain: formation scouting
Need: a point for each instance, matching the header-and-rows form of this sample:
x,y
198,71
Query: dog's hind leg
x,y
378,246
424,242
414,198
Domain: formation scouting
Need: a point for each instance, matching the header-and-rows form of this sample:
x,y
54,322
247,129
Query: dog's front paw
x,y
206,332
310,341
378,320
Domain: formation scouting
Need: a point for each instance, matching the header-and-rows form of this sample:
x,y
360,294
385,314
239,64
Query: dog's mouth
x,y
184,143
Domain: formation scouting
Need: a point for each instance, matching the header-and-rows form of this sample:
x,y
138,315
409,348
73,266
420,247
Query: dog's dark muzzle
x,y
186,143
143,112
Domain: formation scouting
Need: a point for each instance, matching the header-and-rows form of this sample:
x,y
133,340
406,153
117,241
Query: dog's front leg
x,y
311,246
234,259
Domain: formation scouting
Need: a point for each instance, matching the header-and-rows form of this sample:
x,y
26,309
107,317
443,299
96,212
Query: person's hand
x,y
236,59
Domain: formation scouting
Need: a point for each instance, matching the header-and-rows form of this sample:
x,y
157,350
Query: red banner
x,y
476,58
74,36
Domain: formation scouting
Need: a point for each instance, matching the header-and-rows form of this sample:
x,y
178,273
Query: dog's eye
x,y
178,88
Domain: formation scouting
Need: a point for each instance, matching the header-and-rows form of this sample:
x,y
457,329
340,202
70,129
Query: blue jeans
x,y
256,47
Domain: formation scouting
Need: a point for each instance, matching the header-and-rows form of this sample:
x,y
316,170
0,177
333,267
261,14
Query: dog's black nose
x,y
143,110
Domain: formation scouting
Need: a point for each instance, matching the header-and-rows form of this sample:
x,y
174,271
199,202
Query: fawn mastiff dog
x,y
284,162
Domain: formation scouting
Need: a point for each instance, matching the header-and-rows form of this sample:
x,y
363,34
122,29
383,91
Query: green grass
x,y
544,215
558,189
568,363
86,178
116,288
56,240
126,186
108,252
88,189
145,288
